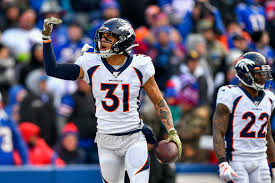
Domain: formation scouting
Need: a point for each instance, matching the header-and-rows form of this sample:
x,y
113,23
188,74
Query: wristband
x,y
45,37
272,164
221,160
47,41
171,129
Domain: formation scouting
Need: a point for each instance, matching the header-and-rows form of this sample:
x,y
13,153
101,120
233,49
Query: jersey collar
x,y
117,72
256,100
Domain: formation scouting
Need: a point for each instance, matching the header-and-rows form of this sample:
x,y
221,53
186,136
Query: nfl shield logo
x,y
256,103
115,74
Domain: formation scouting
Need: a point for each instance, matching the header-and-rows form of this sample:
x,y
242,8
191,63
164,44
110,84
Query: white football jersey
x,y
116,92
247,128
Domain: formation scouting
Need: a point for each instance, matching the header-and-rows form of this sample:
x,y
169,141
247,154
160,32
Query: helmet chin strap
x,y
254,85
108,53
258,86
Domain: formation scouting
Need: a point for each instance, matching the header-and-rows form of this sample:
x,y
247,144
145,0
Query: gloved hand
x,y
226,172
48,26
173,136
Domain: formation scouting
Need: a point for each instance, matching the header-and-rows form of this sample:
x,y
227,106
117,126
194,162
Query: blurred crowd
x,y
193,44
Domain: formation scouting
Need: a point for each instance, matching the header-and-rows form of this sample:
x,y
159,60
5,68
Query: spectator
x,y
39,152
66,88
38,107
261,45
67,147
59,33
164,57
215,53
10,17
226,6
251,16
240,43
163,21
176,9
20,39
233,28
10,141
201,10
191,127
151,13
80,109
68,52
196,42
36,63
7,64
192,66
270,13
17,93
109,9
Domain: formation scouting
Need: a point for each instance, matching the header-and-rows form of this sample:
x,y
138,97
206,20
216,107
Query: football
x,y
167,152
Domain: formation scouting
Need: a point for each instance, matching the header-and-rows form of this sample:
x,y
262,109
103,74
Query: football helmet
x,y
253,71
124,33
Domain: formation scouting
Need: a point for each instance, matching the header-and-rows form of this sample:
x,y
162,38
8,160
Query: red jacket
x,y
40,153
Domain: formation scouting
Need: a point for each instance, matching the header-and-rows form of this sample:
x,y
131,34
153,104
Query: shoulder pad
x,y
140,59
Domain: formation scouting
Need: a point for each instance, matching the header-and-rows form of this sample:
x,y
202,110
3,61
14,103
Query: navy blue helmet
x,y
124,33
253,71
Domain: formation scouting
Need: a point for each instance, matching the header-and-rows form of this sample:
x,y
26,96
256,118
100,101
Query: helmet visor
x,y
262,74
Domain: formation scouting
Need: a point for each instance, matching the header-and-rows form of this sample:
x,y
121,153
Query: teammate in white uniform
x,y
242,118
116,79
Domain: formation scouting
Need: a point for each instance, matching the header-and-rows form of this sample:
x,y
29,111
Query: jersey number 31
x,y
111,87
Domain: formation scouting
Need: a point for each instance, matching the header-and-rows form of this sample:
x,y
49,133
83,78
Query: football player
x,y
116,79
242,119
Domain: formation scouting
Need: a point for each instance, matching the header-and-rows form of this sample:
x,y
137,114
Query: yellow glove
x,y
173,136
48,26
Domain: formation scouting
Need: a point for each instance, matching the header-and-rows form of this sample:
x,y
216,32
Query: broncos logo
x,y
243,62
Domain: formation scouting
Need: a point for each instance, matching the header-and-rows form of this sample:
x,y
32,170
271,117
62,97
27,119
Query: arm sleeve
x,y
19,144
62,71
225,97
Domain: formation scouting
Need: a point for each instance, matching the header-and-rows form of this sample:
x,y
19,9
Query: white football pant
x,y
251,171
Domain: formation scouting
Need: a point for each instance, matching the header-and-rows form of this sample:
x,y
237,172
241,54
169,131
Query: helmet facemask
x,y
256,78
261,75
98,44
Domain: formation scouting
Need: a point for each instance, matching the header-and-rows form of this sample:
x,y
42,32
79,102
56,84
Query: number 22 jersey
x,y
116,91
247,128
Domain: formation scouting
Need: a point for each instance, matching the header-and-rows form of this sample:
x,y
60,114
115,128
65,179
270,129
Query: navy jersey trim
x,y
91,72
230,133
121,69
139,74
259,98
270,101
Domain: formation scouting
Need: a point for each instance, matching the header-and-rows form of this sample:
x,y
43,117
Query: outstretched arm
x,y
163,111
62,71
